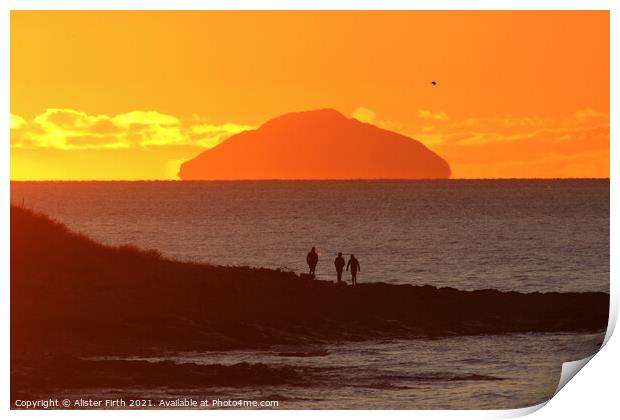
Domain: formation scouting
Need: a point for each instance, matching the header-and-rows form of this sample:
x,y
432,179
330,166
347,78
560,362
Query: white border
x,y
310,5
594,394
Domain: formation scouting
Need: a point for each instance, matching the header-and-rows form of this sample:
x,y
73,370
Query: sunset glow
x,y
132,95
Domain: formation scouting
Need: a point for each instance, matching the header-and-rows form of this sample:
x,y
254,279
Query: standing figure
x,y
312,259
355,267
339,263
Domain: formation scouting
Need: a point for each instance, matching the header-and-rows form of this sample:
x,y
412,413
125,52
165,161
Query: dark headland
x,y
72,297
319,144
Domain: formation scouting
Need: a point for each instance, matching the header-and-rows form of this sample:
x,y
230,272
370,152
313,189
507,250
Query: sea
x,y
510,235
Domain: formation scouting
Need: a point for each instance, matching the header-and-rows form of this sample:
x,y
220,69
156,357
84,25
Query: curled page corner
x,y
521,412
569,370
613,317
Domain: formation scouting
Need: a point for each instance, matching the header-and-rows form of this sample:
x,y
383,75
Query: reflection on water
x,y
546,235
472,372
508,235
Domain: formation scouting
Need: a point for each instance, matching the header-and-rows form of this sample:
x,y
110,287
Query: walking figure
x,y
355,267
339,263
312,259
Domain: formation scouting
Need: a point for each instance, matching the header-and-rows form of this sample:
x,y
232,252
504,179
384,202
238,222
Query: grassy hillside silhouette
x,y
72,297
68,291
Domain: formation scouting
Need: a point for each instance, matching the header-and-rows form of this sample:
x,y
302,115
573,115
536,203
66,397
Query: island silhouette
x,y
319,144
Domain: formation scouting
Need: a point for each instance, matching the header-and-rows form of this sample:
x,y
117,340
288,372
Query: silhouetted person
x,y
339,263
312,259
355,267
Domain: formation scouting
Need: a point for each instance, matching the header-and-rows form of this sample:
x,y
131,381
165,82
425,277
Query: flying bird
x,y
434,83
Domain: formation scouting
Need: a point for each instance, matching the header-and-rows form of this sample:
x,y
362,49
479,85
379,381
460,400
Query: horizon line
x,y
314,179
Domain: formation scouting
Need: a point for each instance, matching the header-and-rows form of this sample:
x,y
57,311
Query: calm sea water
x,y
509,235
542,235
476,372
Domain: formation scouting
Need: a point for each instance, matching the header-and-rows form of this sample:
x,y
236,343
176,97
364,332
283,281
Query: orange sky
x,y
130,95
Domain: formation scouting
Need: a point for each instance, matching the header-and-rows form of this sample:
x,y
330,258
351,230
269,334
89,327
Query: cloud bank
x,y
66,144
68,129
575,145
71,144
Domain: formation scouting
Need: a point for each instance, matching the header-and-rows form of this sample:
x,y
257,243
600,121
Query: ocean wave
x,y
448,377
70,372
